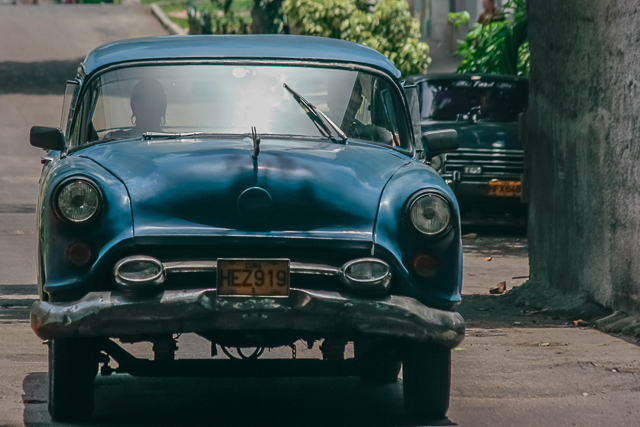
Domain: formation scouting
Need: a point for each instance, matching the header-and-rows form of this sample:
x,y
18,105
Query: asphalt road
x,y
514,368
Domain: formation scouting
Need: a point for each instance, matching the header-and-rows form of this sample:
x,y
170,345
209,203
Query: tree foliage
x,y
216,17
267,17
390,29
496,47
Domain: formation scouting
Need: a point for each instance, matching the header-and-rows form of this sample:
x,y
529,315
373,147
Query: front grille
x,y
508,164
294,251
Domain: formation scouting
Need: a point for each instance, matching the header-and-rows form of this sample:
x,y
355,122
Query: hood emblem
x,y
255,204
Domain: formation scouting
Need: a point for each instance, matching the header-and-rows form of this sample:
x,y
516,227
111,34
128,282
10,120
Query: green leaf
x,y
499,47
390,30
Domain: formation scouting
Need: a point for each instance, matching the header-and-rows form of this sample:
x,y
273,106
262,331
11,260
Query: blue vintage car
x,y
253,190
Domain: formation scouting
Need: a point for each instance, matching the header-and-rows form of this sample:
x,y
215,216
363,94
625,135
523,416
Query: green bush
x,y
217,17
390,29
498,47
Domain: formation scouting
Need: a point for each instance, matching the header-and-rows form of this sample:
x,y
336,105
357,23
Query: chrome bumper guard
x,y
116,314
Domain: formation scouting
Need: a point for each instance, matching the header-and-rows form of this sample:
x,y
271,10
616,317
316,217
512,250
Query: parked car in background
x,y
485,172
252,190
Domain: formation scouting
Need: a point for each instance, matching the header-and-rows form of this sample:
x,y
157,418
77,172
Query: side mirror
x,y
47,138
440,141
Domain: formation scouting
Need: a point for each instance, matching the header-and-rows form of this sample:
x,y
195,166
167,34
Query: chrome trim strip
x,y
491,150
190,266
320,269
212,267
377,285
493,163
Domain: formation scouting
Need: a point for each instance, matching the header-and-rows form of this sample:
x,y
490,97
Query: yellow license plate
x,y
253,277
505,188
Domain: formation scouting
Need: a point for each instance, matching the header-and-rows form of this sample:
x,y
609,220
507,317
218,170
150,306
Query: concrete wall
x,y
583,148
439,34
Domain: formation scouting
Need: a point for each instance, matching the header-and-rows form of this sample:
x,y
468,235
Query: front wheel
x,y
73,364
426,373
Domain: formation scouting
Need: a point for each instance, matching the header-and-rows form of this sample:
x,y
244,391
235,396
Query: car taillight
x,y
78,254
425,265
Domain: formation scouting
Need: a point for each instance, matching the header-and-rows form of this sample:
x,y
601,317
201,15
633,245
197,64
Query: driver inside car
x,y
148,108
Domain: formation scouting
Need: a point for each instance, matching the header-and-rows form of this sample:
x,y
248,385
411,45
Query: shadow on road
x,y
36,78
499,311
125,400
504,230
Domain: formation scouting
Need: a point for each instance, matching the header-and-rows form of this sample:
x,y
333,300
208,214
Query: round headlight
x,y
430,214
78,201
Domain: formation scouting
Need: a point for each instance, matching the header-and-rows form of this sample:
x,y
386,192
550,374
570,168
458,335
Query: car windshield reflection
x,y
186,100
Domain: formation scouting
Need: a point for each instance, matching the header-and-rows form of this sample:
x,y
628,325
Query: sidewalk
x,y
519,366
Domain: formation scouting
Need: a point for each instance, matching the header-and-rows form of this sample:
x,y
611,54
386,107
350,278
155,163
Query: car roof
x,y
454,76
278,47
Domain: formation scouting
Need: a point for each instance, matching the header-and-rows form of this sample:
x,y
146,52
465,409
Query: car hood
x,y
490,135
214,186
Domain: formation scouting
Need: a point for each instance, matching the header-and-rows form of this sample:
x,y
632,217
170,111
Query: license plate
x,y
473,170
253,277
505,188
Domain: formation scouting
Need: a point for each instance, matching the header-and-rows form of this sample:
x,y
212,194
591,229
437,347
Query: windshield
x,y
490,100
230,99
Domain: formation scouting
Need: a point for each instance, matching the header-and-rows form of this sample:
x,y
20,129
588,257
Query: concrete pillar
x,y
583,148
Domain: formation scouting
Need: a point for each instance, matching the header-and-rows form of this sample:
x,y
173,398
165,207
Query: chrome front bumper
x,y
113,314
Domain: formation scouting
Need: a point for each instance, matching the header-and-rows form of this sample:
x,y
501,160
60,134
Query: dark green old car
x,y
486,171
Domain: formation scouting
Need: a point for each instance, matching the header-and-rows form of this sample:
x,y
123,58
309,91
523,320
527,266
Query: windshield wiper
x,y
318,117
152,135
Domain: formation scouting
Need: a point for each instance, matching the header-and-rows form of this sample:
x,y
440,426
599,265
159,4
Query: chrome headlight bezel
x,y
412,204
62,185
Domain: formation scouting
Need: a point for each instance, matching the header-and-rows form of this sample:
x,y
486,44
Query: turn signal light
x,y
425,265
78,254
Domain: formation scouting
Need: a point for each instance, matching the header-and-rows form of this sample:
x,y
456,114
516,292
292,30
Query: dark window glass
x,y
490,100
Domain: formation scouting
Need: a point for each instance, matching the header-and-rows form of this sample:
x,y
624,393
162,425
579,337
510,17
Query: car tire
x,y
426,380
73,365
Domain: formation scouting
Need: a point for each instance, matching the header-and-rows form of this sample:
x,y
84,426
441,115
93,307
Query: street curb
x,y
171,26
619,322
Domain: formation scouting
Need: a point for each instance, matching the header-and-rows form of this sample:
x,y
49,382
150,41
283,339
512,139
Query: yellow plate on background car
x,y
505,188
253,277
